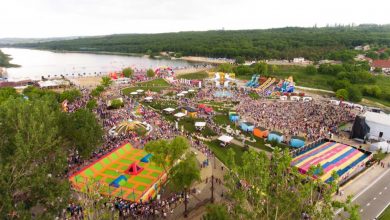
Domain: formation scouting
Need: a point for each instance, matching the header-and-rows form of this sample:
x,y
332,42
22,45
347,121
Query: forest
x,y
279,43
5,60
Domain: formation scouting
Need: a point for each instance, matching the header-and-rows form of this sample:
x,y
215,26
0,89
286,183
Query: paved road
x,y
375,198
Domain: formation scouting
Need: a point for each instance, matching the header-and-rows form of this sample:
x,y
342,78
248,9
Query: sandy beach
x,y
205,59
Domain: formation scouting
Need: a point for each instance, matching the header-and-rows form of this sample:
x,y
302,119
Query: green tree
x,y
261,68
82,131
340,84
91,104
310,70
97,91
166,152
384,56
128,72
7,92
269,188
70,95
372,55
342,94
225,68
184,175
150,73
116,103
239,60
106,81
354,94
32,159
216,212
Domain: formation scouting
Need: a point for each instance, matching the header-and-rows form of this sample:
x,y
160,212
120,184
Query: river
x,y
38,63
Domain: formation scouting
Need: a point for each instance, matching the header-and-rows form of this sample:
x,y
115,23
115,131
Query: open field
x,y
196,75
222,152
156,85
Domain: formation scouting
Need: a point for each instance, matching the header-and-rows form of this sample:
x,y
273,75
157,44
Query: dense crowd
x,y
314,119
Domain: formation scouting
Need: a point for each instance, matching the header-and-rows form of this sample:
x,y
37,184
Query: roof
x,y
200,124
169,109
225,138
379,118
381,63
180,114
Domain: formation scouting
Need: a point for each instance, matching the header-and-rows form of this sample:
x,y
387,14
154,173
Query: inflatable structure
x,y
260,132
247,126
223,79
254,82
234,117
134,169
276,136
297,142
286,85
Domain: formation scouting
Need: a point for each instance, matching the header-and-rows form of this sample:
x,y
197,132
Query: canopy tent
x,y
283,98
225,138
191,90
297,142
382,146
275,136
200,124
247,126
184,92
260,132
140,90
133,93
307,98
180,94
169,110
179,114
149,98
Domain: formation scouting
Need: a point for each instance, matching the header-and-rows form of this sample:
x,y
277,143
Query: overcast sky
x,y
55,18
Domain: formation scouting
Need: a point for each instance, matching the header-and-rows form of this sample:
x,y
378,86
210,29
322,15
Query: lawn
x,y
221,152
156,85
196,75
385,215
254,95
161,104
223,119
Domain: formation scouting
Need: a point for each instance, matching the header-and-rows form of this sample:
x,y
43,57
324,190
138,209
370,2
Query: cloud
x,y
49,18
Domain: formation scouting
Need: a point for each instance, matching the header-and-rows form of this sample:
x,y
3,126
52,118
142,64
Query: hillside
x,y
281,43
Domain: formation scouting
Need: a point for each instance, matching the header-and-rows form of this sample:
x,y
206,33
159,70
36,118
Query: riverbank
x,y
205,60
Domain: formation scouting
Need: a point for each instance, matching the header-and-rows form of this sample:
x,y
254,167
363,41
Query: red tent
x,y
134,169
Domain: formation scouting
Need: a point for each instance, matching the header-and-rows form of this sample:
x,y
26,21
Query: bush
x,y
97,91
127,72
342,94
91,104
354,94
340,84
373,91
150,73
70,95
311,70
116,103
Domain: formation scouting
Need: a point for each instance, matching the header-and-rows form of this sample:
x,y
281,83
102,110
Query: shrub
x,y
342,94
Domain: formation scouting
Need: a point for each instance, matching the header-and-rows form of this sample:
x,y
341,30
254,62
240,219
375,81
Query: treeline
x,y
5,60
281,43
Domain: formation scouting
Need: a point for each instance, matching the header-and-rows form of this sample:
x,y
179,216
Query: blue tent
x,y
297,143
275,136
247,126
234,117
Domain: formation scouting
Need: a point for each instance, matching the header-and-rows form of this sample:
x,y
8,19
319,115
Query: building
x,y
298,60
364,48
384,65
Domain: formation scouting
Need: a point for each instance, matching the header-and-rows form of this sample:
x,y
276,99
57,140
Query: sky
x,y
60,18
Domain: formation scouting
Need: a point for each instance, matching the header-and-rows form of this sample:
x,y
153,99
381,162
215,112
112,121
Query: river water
x,y
38,63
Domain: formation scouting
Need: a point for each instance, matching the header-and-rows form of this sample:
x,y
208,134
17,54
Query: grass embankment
x,y
222,152
156,85
196,75
385,215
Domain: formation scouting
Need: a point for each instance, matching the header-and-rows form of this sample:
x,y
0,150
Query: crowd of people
x,y
313,120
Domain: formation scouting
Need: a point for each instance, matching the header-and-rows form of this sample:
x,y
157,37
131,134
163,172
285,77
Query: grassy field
x,y
221,152
156,85
196,75
385,215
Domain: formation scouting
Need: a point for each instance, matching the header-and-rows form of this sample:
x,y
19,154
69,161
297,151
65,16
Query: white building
x,y
298,60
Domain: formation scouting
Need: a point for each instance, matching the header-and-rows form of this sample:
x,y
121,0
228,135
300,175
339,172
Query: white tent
x,y
335,102
133,93
184,92
378,122
169,110
225,138
283,98
200,124
179,114
382,146
307,99
180,94
140,90
191,90
295,98
149,98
